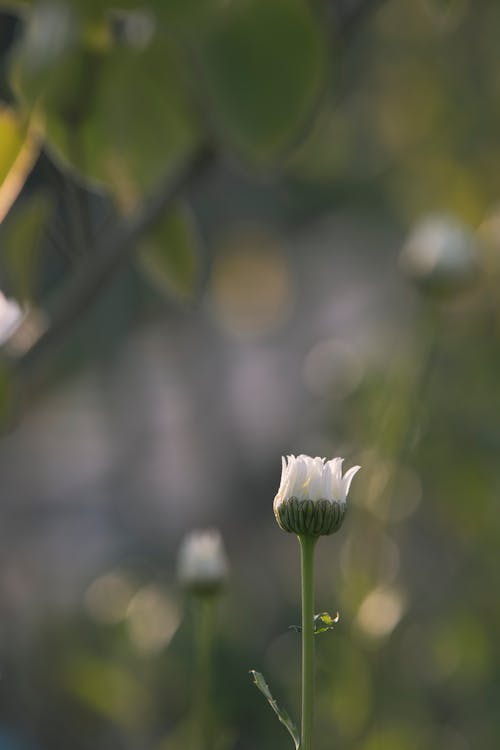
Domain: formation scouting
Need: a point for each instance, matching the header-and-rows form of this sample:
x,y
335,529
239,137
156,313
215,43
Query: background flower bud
x,y
202,565
439,254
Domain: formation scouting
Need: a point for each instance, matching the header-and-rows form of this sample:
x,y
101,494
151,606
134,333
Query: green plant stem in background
x,y
205,616
307,544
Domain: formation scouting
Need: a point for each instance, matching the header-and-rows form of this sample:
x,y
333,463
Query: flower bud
x,y
311,499
11,317
439,255
202,564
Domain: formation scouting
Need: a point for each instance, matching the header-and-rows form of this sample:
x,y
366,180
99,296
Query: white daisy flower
x,y
312,495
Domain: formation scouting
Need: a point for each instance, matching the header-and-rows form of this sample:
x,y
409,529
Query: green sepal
x,y
310,517
282,715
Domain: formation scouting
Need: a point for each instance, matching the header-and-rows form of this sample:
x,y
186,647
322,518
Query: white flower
x,y
202,563
11,317
312,495
308,478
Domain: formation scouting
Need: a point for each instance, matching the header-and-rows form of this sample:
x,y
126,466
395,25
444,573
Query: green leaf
x,y
169,255
20,5
136,125
322,622
42,59
282,715
187,15
264,66
8,396
119,114
22,235
12,133
109,689
19,149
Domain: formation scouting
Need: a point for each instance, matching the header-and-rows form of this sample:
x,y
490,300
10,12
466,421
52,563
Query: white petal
x,y
336,467
326,482
335,484
348,477
300,477
283,469
319,463
316,480
308,463
290,476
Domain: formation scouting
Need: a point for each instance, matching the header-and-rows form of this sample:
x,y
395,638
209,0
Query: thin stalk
x,y
204,672
307,544
110,252
77,218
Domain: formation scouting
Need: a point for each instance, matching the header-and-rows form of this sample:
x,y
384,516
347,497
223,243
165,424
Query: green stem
x,y
203,684
77,218
307,544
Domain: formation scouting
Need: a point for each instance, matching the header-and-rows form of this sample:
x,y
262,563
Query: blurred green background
x,y
264,308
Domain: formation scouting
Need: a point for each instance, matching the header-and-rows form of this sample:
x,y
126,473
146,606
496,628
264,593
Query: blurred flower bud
x,y
202,563
11,317
440,255
312,496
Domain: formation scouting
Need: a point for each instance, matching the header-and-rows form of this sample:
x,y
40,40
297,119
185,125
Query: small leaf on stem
x,y
282,715
323,621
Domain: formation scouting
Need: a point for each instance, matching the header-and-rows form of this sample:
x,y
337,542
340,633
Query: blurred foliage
x,y
113,110
22,233
169,256
261,91
19,149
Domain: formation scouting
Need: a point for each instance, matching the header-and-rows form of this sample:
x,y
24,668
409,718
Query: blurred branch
x,y
108,255
349,14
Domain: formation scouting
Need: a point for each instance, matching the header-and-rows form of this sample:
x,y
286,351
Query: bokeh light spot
x,y
153,618
332,368
380,612
251,290
107,598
